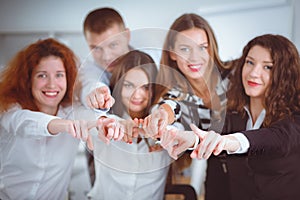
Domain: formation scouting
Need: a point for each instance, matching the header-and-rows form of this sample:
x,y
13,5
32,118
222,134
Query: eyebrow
x,y
249,57
93,46
184,43
64,71
204,43
128,81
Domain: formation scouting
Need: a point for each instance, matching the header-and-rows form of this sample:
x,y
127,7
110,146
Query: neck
x,y
256,106
139,115
49,110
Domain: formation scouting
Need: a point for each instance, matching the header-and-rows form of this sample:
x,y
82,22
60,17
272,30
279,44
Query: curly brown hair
x,y
283,95
15,79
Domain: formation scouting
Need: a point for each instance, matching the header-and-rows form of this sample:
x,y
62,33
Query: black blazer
x,y
274,157
229,177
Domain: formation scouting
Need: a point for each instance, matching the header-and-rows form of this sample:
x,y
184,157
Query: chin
x,y
136,110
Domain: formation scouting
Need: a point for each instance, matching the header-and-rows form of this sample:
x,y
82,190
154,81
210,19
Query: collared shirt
x,y
250,126
33,163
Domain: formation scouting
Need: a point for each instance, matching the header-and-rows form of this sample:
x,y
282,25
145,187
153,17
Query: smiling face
x,y
256,72
49,84
109,45
191,53
135,91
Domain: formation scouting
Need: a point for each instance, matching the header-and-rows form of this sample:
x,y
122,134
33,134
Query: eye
x,y
146,87
95,48
268,67
60,75
185,49
203,48
249,62
113,45
128,85
41,75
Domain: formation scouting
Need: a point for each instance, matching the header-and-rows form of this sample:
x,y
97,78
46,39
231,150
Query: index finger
x,y
200,133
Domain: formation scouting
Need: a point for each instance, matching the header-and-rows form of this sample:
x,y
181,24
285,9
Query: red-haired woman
x,y
38,143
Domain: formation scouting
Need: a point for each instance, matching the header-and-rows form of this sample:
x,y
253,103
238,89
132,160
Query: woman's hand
x,y
213,143
130,129
108,129
154,124
100,98
77,128
176,141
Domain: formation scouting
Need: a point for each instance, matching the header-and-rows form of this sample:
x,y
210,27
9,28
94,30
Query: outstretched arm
x,y
77,128
176,142
107,129
212,142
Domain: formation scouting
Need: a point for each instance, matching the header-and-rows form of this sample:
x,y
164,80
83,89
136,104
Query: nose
x,y
194,55
138,93
255,71
107,56
197,54
51,82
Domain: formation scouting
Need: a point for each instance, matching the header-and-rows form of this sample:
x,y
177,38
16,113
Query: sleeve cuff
x,y
101,112
43,124
243,141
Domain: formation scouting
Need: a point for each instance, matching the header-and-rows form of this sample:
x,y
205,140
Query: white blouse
x,y
129,171
33,163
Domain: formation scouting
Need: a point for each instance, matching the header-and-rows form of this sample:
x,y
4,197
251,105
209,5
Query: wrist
x,y
232,144
169,111
172,108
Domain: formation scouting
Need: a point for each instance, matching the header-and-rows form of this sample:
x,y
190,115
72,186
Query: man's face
x,y
109,45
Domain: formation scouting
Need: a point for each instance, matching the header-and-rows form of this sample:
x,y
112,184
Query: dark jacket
x,y
274,157
229,177
269,171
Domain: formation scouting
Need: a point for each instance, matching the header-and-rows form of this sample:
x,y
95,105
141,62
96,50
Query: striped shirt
x,y
193,110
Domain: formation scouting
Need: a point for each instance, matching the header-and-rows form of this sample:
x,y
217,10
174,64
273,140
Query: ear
x,y
173,55
127,34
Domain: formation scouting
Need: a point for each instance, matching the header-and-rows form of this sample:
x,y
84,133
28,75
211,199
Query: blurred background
x,y
235,22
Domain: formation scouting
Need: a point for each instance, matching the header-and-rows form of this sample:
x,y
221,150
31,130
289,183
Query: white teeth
x,y
51,93
194,66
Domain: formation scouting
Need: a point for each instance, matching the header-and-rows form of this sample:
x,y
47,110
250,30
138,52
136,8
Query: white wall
x,y
238,23
234,22
296,24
